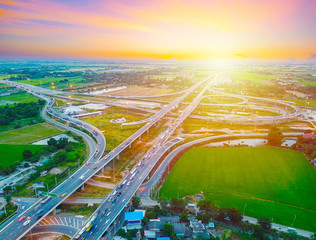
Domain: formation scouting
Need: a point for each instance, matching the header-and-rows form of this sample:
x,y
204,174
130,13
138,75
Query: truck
x,y
81,177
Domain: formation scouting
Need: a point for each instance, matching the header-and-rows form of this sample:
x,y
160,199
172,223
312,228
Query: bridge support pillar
x,y
147,130
82,187
138,125
103,169
121,126
118,156
140,138
54,211
130,145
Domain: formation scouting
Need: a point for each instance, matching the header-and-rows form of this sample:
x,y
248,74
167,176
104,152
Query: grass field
x,y
309,83
14,153
19,97
112,131
258,79
28,134
274,183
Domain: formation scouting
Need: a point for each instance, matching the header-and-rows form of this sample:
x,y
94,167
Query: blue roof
x,y
163,238
129,216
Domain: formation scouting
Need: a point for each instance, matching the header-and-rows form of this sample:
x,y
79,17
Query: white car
x,y
26,222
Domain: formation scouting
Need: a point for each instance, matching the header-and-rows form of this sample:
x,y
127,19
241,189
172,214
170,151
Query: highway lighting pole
x,y
293,220
243,214
30,228
55,180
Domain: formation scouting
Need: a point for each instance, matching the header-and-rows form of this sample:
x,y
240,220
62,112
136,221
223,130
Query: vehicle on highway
x,y
39,211
63,195
26,222
23,207
81,177
45,200
89,227
39,217
113,200
22,218
87,164
122,147
36,208
118,194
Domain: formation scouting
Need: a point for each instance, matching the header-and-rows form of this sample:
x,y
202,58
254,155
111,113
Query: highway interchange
x,y
15,230
112,205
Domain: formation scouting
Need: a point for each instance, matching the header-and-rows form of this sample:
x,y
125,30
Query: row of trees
x,y
19,111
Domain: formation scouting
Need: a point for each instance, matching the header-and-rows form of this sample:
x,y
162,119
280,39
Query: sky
x,y
164,29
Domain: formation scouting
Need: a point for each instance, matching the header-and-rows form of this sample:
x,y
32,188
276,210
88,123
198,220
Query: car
x,y
121,147
23,207
118,194
26,222
95,168
87,164
39,211
99,144
39,217
22,218
63,195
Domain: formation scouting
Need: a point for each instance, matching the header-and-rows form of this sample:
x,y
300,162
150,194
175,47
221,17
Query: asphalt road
x,y
115,202
15,229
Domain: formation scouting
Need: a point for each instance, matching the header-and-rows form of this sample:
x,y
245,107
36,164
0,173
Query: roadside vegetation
x,y
20,114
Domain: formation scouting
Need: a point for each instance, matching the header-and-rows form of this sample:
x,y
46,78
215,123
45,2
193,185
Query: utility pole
x,y
55,180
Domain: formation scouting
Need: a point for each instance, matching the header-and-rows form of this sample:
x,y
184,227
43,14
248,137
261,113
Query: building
x,y
134,220
179,229
149,234
197,227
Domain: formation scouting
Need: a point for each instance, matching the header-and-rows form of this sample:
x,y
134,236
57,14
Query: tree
x,y
234,215
184,217
151,214
275,137
7,190
26,165
167,229
204,217
265,223
27,154
163,202
136,202
258,232
52,142
8,198
41,102
205,205
62,143
178,204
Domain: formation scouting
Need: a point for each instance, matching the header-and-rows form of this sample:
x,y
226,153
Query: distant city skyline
x,y
185,30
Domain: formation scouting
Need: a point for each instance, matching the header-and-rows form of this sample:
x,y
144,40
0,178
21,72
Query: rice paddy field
x,y
265,181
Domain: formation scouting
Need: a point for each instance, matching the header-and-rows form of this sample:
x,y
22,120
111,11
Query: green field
x,y
18,98
47,82
273,182
255,78
28,134
14,153
309,83
112,131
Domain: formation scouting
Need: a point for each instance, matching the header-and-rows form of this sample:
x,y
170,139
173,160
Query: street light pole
x,y
30,228
243,214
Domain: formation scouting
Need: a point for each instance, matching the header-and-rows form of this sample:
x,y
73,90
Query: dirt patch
x,y
55,171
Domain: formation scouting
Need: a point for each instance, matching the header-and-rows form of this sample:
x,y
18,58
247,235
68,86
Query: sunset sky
x,y
197,29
